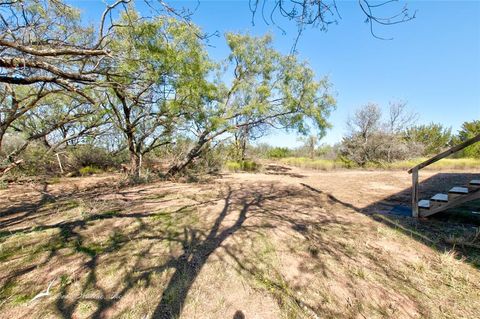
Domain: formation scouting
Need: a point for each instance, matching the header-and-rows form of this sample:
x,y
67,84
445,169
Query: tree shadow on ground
x,y
243,210
455,229
275,169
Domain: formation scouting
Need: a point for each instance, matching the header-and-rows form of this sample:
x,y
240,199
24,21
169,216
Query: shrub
x,y
89,170
249,165
446,163
37,161
318,164
246,166
278,152
85,155
233,166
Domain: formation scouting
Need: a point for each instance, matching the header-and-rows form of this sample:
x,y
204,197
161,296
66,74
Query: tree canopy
x,y
147,79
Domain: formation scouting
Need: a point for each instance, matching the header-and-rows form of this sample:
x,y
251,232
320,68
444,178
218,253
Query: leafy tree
x,y
467,131
278,152
267,89
43,42
158,80
432,138
45,51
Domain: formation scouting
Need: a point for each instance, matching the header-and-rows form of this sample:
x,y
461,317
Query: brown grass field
x,y
284,243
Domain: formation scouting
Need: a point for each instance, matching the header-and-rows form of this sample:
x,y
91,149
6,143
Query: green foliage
x,y
36,161
84,155
270,85
233,166
279,152
246,166
468,131
157,86
446,163
89,170
317,164
432,137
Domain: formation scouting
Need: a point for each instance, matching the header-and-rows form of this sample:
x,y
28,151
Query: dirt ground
x,y
284,243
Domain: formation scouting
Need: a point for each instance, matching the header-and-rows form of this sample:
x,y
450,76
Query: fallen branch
x,y
10,166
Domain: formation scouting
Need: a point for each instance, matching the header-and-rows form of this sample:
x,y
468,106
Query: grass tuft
x,y
319,164
89,170
246,166
444,164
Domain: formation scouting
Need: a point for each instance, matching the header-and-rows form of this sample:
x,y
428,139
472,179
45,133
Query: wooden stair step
x,y
440,198
424,204
474,185
459,190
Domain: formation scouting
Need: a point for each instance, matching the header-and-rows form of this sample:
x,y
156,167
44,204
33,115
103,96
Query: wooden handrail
x,y
450,151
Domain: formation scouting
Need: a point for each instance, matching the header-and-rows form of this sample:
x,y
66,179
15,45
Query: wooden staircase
x,y
456,195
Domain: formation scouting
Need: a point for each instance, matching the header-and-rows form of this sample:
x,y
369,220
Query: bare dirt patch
x,y
292,243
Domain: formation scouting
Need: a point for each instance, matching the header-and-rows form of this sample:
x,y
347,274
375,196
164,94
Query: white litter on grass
x,y
45,293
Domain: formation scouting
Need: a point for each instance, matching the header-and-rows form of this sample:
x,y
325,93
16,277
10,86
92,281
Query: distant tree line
x,y
374,139
377,137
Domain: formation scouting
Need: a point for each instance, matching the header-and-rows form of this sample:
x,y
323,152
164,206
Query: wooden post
x,y
140,165
415,192
59,162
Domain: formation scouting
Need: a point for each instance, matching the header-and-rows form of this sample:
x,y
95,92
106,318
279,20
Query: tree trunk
x,y
243,146
191,155
134,171
2,134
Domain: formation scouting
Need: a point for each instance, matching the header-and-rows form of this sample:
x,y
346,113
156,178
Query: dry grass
x,y
319,164
271,249
444,164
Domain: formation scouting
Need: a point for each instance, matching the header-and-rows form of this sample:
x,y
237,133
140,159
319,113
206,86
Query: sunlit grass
x,y
237,166
444,164
320,164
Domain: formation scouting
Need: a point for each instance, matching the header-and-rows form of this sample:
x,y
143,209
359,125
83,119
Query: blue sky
x,y
433,62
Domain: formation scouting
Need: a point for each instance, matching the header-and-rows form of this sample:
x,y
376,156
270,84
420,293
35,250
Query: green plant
x,y
232,166
320,164
89,170
246,165
278,152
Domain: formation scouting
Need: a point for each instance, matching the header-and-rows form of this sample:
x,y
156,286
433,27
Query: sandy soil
x,y
286,243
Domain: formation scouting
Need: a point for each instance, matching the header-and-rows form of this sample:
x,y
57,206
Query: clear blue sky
x,y
433,62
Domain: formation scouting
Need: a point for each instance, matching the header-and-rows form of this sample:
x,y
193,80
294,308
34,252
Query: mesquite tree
x,y
267,89
45,51
154,84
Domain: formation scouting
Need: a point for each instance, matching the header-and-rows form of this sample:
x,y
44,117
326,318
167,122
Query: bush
x,y
233,166
85,155
249,166
278,152
246,166
37,161
89,170
319,164
444,164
